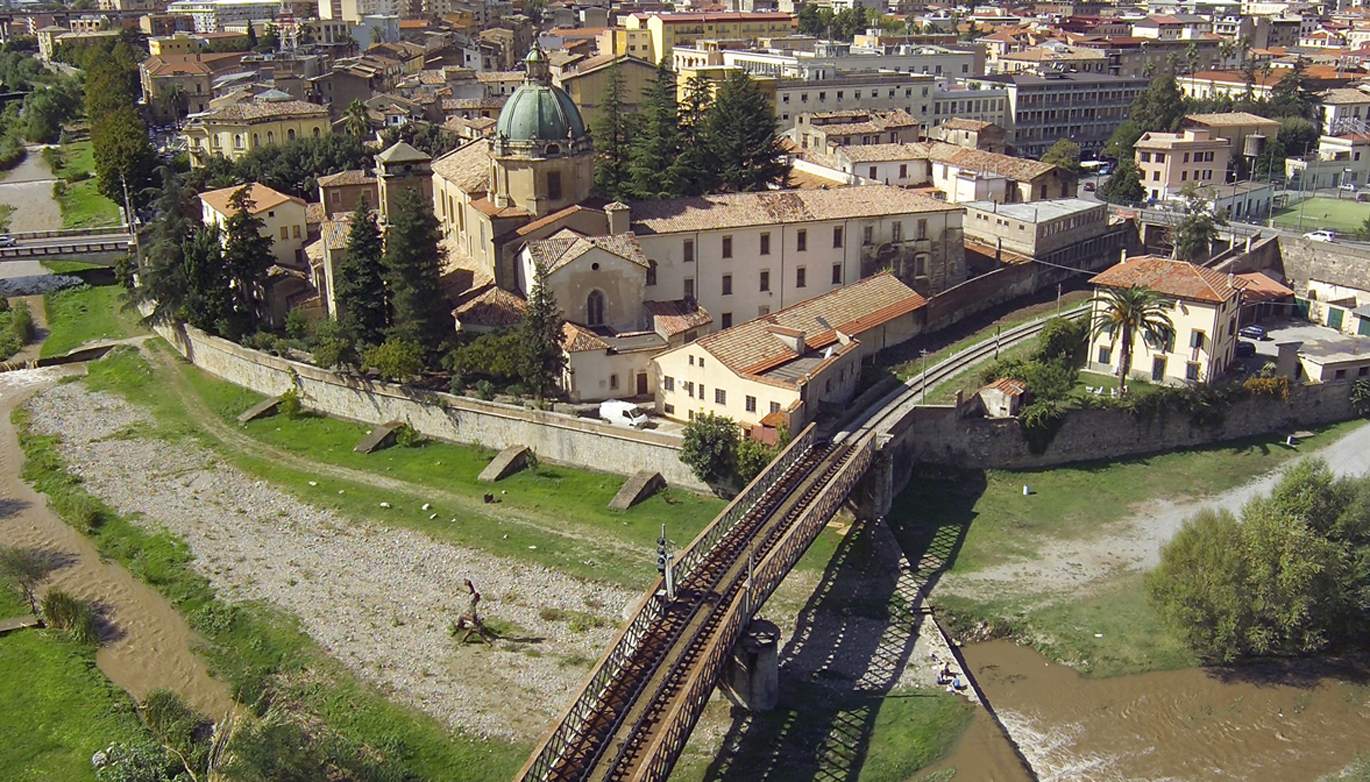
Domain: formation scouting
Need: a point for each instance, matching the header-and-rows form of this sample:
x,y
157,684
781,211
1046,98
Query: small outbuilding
x,y
1003,398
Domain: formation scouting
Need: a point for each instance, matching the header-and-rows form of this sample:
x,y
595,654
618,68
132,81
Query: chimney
x,y
790,338
618,215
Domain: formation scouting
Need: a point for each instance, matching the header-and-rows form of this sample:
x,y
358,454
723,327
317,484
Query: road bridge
x,y
635,712
90,244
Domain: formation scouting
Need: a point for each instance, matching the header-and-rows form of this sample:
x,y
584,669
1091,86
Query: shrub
x,y
1360,397
1276,386
170,719
396,359
1064,340
141,761
60,610
709,447
1040,421
751,457
297,324
407,436
457,385
485,390
21,323
290,405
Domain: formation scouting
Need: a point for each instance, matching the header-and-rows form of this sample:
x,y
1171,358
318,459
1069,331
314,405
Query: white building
x,y
212,16
282,217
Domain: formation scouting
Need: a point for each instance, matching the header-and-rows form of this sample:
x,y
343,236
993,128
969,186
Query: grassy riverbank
x,y
84,314
59,709
976,520
83,205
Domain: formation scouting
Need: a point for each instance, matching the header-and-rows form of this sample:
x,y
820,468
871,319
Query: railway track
x,y
645,695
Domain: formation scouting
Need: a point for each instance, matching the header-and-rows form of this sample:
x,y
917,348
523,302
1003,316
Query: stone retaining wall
x,y
555,437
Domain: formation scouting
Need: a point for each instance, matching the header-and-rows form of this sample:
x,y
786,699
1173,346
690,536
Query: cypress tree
x,y
413,261
359,280
247,257
741,136
655,164
540,357
208,302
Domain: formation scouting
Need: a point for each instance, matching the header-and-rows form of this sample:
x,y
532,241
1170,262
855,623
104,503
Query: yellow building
x,y
180,43
233,130
621,40
588,83
781,369
715,75
670,30
1203,309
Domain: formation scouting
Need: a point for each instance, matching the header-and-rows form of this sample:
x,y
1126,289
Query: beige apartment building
x,y
235,129
1203,308
282,217
1169,162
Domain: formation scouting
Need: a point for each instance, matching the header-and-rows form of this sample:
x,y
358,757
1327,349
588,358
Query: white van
x,y
619,413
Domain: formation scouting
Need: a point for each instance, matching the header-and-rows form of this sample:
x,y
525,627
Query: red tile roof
x,y
1171,277
581,340
491,306
676,317
263,198
1259,287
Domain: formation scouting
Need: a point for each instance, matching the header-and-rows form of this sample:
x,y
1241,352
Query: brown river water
x,y
148,644
1264,724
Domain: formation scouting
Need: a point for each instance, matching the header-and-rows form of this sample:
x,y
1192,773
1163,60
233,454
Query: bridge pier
x,y
874,495
752,680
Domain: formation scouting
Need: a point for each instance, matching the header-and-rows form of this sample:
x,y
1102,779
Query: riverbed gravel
x,y
378,599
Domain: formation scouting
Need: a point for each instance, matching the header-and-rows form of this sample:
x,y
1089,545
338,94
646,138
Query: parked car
x,y
1252,332
1347,186
1089,187
1321,236
6,240
1245,349
620,413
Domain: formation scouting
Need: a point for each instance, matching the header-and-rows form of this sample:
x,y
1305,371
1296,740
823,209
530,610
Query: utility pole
x,y
664,563
924,353
128,217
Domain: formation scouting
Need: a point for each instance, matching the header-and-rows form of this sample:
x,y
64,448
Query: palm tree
x,y
357,120
1227,50
175,101
1191,56
1122,313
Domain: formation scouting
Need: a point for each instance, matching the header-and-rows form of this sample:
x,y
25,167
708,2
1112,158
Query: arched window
x,y
256,141
290,134
271,137
594,309
553,149
316,132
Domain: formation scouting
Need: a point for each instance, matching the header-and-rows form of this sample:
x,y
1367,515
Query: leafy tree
x,y
359,280
751,457
1064,340
1161,107
295,166
1195,234
1298,136
492,355
357,120
613,133
1290,97
433,140
540,356
247,258
25,568
1065,154
1124,185
396,359
251,36
708,447
1125,312
413,262
333,346
123,155
741,135
1199,585
655,167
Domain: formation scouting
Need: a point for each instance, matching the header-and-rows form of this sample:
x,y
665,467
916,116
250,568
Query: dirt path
x,y
1135,543
40,328
28,188
151,644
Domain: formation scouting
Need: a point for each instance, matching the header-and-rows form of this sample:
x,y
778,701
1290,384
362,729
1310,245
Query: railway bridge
x,y
636,710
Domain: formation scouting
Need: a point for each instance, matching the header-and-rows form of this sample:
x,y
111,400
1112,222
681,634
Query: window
x,y
692,359
763,311
689,287
903,170
896,231
651,272
872,172
802,240
613,381
837,236
689,251
868,235
800,277
751,404
294,232
285,232
765,244
554,185
837,274
1191,371
1105,355
922,229
1196,338
720,396
727,320
727,247
775,407
668,383
765,281
290,135
727,285
594,309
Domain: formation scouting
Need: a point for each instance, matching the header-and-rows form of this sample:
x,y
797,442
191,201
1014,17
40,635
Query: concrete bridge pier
x,y
752,680
874,495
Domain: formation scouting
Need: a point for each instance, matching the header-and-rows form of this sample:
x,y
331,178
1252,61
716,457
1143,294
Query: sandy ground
x,y
1135,544
28,188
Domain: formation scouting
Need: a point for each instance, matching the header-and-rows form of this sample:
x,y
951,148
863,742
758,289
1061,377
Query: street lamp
x,y
924,354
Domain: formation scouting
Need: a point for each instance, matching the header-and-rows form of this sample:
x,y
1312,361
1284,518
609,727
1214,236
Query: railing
x,y
572,729
58,233
82,248
679,722
704,543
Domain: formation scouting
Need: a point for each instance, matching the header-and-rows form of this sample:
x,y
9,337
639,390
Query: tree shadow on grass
x,y
848,651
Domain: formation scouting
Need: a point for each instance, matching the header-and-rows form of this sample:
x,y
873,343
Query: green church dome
x,y
538,111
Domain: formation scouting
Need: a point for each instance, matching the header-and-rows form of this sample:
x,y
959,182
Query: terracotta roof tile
x,y
490,306
314,213
1230,118
1180,279
580,339
467,167
740,210
1008,386
956,123
263,198
1259,287
346,178
255,109
567,245
677,316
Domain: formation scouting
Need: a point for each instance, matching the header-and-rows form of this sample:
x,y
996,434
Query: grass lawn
x,y
977,519
1339,214
59,709
71,267
6,212
83,206
82,314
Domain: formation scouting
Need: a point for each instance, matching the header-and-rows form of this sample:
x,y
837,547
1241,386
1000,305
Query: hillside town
x,y
695,390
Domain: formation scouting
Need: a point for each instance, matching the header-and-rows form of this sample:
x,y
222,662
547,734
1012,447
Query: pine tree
x,y
655,160
162,272
413,263
696,164
208,302
540,356
742,137
247,257
359,280
613,133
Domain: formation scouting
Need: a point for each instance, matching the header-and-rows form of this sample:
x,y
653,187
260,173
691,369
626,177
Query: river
x,y
150,644
1267,723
